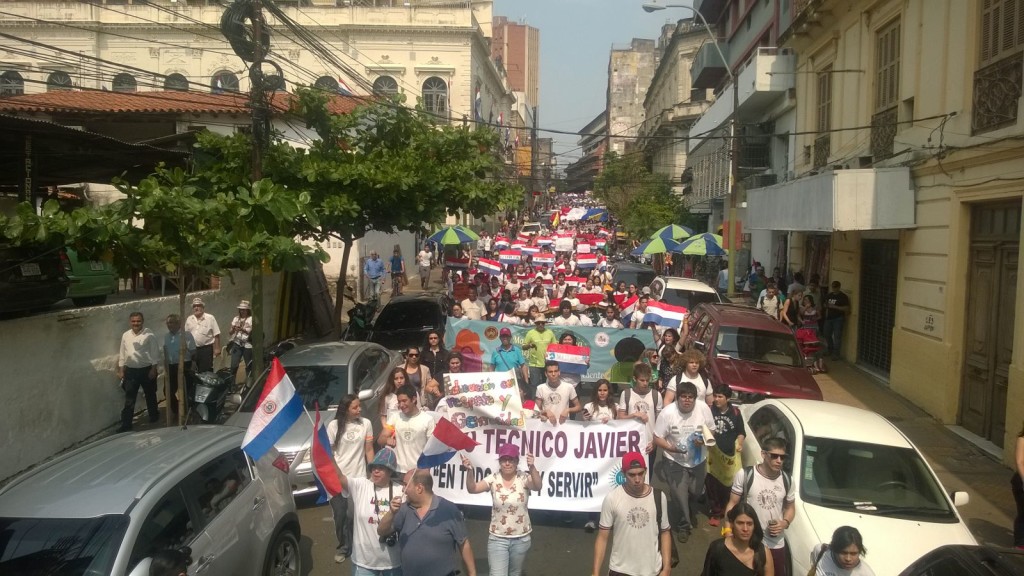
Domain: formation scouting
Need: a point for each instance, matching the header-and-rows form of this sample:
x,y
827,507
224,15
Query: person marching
x,y
742,551
352,446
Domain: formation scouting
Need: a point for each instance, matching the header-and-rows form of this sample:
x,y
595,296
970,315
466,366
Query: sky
x,y
576,37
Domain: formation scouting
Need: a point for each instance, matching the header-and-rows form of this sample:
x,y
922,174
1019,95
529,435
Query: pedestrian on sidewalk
x,y
397,270
136,368
1018,491
423,261
240,343
172,350
374,270
206,332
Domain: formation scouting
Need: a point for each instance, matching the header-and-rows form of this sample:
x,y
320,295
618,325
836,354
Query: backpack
x,y
657,513
629,394
748,481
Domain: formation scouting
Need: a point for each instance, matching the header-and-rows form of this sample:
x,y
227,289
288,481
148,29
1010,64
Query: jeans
x,y
685,486
135,378
237,354
537,378
834,335
780,559
360,571
204,358
343,518
505,556
172,379
375,285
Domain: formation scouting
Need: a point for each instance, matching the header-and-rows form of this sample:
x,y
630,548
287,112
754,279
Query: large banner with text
x,y
578,462
480,398
612,351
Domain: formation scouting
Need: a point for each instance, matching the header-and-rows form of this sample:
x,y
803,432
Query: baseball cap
x,y
646,290
508,451
504,332
632,460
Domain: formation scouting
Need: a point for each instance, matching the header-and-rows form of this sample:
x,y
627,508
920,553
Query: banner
x,y
564,244
473,399
578,462
612,351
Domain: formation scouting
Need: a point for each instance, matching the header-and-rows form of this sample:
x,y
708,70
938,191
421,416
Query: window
x,y
323,385
760,346
68,546
887,66
218,483
124,83
369,367
176,82
11,84
275,83
169,525
824,96
1002,29
385,86
58,80
327,84
435,97
223,81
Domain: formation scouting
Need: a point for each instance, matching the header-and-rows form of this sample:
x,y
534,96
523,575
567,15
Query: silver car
x,y
322,374
106,508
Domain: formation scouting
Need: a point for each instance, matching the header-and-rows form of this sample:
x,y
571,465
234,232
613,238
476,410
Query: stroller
x,y
812,348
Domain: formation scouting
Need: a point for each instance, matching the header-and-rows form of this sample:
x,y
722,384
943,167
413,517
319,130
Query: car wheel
x,y
284,557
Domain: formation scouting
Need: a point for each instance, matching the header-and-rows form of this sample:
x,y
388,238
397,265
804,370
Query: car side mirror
x,y
961,499
233,401
365,395
699,345
142,568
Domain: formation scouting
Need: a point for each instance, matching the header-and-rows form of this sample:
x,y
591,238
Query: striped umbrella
x,y
453,235
673,232
702,245
656,246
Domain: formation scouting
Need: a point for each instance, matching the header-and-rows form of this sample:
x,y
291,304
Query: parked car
x,y
31,278
756,355
639,275
322,373
91,280
405,321
106,508
960,560
530,228
686,292
852,467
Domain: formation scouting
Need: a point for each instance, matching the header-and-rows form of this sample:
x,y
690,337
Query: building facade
x,y
907,190
515,47
593,143
630,70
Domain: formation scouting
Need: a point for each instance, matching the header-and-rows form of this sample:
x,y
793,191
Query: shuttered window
x,y
825,100
887,66
1002,29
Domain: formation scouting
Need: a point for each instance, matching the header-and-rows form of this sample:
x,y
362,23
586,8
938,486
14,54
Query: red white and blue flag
x,y
501,242
491,267
586,261
575,281
531,250
545,241
443,444
627,307
603,232
325,470
544,259
278,408
665,315
571,359
509,256
457,263
600,243
518,244
524,238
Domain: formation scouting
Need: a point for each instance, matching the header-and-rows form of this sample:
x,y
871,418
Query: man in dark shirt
x,y
724,456
430,530
837,305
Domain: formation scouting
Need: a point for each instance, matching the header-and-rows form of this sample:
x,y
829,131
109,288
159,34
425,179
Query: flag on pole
x,y
278,408
556,219
664,314
325,470
627,307
571,359
443,444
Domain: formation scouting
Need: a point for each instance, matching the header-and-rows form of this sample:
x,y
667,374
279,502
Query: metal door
x,y
991,301
876,308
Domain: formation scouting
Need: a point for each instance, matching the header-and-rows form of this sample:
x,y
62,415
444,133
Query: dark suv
x,y
754,354
31,278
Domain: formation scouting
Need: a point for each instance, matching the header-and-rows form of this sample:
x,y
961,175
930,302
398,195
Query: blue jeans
x,y
341,507
505,556
375,285
834,335
360,571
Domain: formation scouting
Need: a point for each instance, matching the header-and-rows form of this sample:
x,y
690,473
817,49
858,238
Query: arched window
x,y
176,82
58,80
276,83
327,84
223,81
435,97
11,84
385,86
124,83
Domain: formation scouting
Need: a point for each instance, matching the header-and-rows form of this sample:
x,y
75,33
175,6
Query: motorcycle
x,y
211,389
360,318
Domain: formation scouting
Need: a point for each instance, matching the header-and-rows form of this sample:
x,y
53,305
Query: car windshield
x,y
60,546
688,298
407,316
758,346
317,385
871,479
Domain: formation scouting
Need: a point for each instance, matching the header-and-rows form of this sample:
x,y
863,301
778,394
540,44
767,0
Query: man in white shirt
x,y
472,307
556,399
137,360
407,430
769,302
423,259
206,333
642,403
678,432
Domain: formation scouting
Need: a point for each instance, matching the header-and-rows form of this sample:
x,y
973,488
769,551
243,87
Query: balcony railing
x,y
822,150
883,133
708,69
997,91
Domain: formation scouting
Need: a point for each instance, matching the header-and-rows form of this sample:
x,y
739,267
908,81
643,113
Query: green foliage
x,y
642,201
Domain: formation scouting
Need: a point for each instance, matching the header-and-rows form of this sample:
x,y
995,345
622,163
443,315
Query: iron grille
x,y
877,306
822,150
883,133
997,89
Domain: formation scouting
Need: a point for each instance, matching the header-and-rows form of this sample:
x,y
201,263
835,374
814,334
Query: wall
x,y
59,368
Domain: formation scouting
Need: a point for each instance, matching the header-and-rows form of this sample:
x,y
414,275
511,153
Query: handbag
x,y
814,567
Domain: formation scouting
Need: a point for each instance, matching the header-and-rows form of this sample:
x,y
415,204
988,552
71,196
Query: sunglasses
x,y
411,355
775,456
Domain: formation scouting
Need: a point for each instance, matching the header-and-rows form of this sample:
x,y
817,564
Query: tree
x,y
642,201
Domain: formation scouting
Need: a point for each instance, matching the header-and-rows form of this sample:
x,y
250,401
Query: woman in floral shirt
x,y
510,519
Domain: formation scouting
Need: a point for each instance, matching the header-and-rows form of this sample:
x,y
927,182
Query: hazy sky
x,y
575,39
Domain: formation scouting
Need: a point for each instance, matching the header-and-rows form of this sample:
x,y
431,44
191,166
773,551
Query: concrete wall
x,y
59,381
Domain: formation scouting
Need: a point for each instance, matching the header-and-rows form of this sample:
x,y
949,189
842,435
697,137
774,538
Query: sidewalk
x,y
959,464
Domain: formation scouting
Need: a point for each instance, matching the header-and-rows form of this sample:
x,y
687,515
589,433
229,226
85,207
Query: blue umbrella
x,y
702,245
453,235
657,246
673,231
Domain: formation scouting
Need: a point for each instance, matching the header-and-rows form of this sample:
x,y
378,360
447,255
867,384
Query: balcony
x,y
764,78
708,69
835,201
711,10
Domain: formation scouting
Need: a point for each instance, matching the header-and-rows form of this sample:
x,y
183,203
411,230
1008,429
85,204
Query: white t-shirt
x,y
767,497
828,567
649,403
411,435
572,320
678,428
369,504
606,323
350,450
704,390
474,310
600,413
423,258
636,530
556,400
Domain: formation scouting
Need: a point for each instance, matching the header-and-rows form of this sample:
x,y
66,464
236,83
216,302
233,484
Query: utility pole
x,y
732,223
260,142
534,157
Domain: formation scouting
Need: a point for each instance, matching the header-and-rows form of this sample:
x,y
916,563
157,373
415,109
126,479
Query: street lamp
x,y
654,6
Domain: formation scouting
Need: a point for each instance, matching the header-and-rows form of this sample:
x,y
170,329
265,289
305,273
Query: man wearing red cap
x,y
642,545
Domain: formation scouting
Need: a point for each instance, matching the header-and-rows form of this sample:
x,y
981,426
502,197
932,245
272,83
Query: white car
x,y
685,292
852,467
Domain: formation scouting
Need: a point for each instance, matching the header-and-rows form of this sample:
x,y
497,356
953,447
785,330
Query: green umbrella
x,y
673,232
453,235
656,246
703,245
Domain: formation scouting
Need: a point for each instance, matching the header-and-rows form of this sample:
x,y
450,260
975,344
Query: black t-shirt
x,y
835,299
